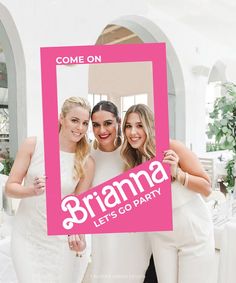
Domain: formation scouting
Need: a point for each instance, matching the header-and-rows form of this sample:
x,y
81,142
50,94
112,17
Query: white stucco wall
x,y
54,23
192,49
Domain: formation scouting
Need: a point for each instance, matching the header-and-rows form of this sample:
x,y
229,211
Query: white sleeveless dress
x,y
37,257
121,257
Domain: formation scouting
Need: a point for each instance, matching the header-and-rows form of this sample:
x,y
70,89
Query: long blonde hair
x,y
131,156
82,147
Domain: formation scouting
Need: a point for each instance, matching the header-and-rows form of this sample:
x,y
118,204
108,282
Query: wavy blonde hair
x,y
131,156
82,147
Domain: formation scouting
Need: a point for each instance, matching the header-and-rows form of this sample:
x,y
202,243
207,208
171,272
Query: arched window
x,y
136,29
12,82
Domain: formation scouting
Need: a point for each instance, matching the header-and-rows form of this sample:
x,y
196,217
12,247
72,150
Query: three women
x,y
115,257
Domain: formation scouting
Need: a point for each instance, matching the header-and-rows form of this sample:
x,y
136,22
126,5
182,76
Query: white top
x,y
36,206
114,256
181,195
37,256
107,165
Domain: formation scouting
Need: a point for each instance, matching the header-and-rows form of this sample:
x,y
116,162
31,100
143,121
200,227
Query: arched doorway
x,y
136,29
14,98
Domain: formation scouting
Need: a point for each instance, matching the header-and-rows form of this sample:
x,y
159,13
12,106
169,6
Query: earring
x,y
95,144
117,141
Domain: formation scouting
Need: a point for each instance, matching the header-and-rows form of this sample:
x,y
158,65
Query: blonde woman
x,y
38,257
176,253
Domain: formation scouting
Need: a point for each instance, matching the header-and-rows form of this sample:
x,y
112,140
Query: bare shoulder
x,y
181,149
177,145
22,160
188,160
186,156
30,141
28,145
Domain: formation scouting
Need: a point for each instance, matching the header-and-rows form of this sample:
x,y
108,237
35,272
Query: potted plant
x,y
223,129
7,162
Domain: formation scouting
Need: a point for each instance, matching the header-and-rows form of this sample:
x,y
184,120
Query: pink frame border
x,y
153,52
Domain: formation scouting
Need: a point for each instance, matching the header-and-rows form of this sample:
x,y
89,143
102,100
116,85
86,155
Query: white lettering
x,y
159,169
94,59
70,60
113,195
110,195
66,206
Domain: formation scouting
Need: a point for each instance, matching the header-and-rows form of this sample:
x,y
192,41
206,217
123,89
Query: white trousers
x,y
120,258
186,254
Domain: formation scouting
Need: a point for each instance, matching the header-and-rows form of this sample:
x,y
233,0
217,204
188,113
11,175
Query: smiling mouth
x,y
134,139
103,137
76,134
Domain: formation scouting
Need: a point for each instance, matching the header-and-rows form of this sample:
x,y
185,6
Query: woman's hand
x,y
39,185
170,157
77,243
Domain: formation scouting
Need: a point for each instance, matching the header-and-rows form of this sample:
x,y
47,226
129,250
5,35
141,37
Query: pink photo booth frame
x,y
114,206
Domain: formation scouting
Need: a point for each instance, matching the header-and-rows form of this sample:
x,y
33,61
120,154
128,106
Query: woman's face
x,y
75,124
134,131
105,129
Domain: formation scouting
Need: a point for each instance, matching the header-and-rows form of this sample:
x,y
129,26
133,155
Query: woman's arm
x,y
198,180
85,183
14,187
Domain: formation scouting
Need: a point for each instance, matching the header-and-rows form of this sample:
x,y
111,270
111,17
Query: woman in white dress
x,y
115,257
184,255
37,257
